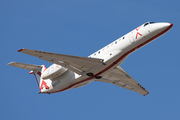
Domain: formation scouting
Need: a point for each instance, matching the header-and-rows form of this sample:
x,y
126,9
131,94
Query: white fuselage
x,y
113,55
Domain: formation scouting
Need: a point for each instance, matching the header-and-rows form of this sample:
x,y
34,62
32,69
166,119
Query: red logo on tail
x,y
43,82
45,85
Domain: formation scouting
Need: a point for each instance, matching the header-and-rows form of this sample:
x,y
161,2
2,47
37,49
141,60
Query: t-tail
x,y
37,70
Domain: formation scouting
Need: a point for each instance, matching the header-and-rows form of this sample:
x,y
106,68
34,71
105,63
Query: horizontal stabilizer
x,y
24,66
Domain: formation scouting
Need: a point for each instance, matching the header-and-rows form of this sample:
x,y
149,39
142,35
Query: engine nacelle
x,y
53,71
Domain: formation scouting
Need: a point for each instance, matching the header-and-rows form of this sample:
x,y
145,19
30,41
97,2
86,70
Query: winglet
x,y
147,94
21,49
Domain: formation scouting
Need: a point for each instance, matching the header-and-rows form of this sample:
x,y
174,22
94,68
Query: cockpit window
x,y
151,22
148,23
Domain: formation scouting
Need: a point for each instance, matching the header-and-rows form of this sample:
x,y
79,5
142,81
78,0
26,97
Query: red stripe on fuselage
x,y
119,59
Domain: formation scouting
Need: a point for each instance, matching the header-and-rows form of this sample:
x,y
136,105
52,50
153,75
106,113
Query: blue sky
x,y
81,27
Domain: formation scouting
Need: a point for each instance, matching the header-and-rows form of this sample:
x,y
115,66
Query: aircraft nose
x,y
161,27
166,25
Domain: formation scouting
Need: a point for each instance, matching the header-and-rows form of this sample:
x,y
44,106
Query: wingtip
x,y
11,63
147,94
21,49
31,72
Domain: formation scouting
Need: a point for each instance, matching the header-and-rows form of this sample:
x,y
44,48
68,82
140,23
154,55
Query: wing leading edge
x,y
79,65
120,78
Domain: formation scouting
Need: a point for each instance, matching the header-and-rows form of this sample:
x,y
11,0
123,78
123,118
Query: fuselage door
x,y
131,38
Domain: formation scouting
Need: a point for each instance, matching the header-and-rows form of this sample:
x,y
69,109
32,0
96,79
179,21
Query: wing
x,y
120,78
80,65
25,66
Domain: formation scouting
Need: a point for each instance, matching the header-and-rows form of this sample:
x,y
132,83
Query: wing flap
x,y
120,78
25,66
114,83
77,64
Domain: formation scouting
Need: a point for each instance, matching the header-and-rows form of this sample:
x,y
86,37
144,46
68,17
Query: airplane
x,y
69,72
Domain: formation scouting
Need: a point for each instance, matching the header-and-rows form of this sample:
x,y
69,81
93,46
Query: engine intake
x,y
53,71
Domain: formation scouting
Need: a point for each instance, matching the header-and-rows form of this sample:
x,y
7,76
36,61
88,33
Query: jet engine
x,y
53,71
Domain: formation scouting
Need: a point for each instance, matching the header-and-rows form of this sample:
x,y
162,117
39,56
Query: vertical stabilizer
x,y
41,83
